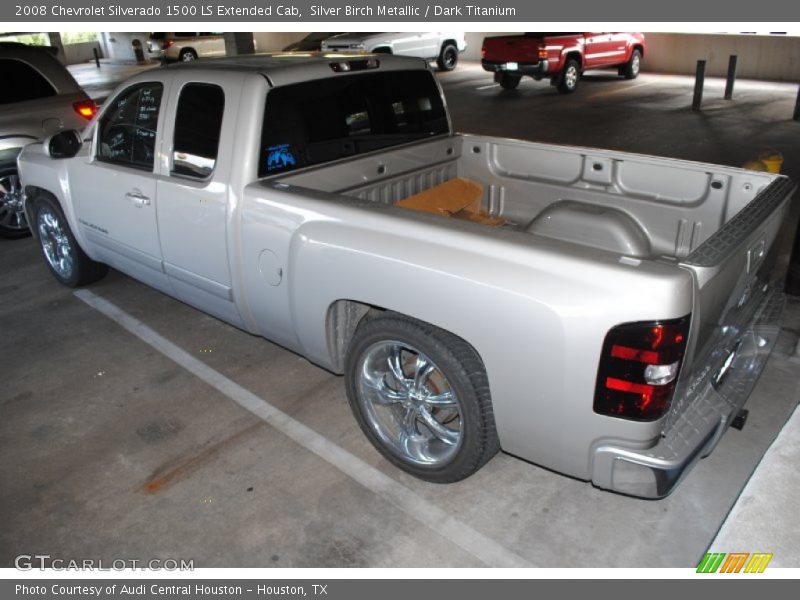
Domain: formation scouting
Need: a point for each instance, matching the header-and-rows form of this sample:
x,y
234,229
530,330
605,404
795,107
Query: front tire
x,y
631,68
13,222
448,58
570,77
421,396
66,260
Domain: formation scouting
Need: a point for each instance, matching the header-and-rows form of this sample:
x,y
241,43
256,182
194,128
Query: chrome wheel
x,y
55,242
187,56
571,77
12,199
408,402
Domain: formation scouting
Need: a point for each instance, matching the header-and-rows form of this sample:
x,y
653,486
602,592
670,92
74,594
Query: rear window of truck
x,y
315,122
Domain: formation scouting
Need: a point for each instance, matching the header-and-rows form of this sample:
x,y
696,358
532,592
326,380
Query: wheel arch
x,y
573,54
345,315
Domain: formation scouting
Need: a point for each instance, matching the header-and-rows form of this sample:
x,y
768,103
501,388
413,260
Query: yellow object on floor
x,y
459,198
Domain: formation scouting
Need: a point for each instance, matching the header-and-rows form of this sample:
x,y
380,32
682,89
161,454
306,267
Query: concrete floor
x,y
111,450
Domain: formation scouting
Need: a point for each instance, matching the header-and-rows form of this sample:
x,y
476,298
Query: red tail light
x,y
85,108
639,369
168,43
542,53
483,51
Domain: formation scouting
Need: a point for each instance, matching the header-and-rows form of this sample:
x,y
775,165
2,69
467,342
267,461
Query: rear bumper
x,y
537,69
709,408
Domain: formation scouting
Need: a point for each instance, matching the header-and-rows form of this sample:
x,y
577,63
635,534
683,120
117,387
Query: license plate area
x,y
511,66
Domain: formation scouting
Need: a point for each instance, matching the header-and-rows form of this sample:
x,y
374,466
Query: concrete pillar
x,y
239,43
55,41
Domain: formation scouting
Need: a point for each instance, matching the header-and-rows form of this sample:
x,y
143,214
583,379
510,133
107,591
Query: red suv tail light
x,y
168,43
639,369
542,53
85,108
483,51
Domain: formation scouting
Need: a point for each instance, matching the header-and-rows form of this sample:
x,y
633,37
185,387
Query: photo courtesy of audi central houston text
x,y
399,299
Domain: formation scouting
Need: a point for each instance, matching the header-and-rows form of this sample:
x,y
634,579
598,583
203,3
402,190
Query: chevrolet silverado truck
x,y
440,46
598,313
562,57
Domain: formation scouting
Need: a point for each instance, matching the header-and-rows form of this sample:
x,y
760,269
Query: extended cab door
x,y
598,50
193,191
113,186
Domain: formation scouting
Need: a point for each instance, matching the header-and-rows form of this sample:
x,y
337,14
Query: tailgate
x,y
517,48
732,272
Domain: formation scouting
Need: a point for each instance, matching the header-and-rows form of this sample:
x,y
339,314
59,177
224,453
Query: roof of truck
x,y
304,64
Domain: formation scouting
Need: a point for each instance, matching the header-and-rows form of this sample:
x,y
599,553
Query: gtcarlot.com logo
x,y
734,562
29,562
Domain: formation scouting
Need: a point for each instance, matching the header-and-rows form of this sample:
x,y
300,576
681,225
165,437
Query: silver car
x,y
40,97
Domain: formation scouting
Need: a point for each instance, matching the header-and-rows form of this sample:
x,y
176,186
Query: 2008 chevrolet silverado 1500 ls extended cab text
x,y
599,313
560,56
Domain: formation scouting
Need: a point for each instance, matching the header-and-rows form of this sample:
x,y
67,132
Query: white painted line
x,y
486,87
482,547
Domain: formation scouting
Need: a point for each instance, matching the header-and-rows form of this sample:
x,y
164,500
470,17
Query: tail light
x,y
483,51
85,108
542,53
639,369
168,43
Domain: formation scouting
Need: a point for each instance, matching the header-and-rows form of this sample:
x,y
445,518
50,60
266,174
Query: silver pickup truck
x,y
598,313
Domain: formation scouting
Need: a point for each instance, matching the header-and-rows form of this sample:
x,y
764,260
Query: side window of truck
x,y
198,125
127,130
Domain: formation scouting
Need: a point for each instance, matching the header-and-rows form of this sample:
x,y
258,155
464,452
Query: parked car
x,y
443,47
311,43
602,314
185,46
38,97
561,57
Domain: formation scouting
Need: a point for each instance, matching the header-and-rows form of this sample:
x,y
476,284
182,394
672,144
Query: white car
x,y
185,47
443,47
39,98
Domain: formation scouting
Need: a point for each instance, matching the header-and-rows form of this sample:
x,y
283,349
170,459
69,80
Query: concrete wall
x,y
275,41
760,57
119,46
82,52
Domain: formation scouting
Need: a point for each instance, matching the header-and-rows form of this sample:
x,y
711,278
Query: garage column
x,y
55,41
239,43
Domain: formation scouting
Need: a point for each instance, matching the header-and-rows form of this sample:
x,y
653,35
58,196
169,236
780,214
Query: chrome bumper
x,y
711,404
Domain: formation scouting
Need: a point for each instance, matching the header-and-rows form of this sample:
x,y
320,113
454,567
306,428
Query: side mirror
x,y
64,144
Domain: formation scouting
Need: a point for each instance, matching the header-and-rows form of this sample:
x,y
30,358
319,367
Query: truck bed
x,y
639,206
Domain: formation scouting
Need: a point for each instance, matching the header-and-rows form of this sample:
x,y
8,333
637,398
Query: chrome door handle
x,y
137,198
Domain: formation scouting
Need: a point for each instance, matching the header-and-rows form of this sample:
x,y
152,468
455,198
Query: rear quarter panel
x,y
536,312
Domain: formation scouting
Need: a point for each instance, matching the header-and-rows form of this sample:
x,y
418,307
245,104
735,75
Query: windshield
x,y
315,122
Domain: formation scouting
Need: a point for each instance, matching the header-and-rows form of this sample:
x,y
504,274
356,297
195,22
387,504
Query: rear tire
x,y
448,58
66,260
631,68
13,222
421,396
569,77
509,81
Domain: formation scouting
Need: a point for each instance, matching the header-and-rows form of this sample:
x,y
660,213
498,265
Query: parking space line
x,y
620,89
486,87
475,543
